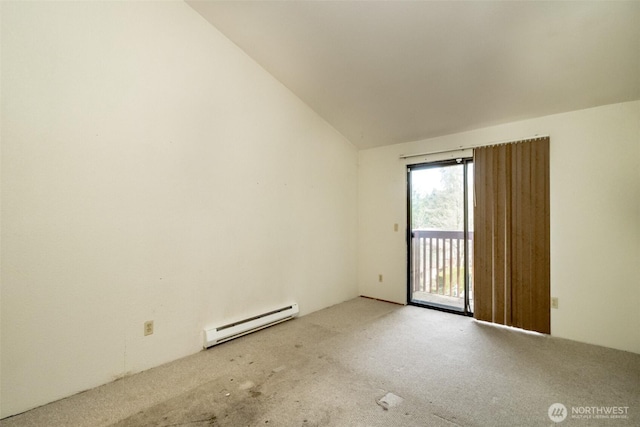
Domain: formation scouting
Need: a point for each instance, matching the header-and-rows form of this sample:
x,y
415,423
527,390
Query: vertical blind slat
x,y
511,241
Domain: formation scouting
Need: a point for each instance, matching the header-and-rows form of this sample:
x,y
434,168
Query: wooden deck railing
x,y
437,264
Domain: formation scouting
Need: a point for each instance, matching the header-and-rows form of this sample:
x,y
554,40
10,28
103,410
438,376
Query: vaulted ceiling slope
x,y
386,72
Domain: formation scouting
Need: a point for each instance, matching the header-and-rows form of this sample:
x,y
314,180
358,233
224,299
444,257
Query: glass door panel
x,y
439,244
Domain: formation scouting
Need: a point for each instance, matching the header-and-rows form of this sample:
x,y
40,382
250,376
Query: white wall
x,y
595,218
152,171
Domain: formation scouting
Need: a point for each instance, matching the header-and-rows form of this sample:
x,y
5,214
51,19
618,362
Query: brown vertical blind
x,y
511,235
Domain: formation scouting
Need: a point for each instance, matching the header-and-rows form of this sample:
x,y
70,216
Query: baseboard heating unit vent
x,y
233,330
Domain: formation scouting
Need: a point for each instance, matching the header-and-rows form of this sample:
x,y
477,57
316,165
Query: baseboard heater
x,y
236,329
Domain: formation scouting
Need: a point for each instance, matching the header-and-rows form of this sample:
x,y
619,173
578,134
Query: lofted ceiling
x,y
385,72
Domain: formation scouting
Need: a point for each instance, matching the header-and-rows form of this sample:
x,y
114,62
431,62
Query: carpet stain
x,y
447,419
247,385
278,369
204,405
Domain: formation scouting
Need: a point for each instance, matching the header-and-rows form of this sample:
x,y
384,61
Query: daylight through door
x,y
440,208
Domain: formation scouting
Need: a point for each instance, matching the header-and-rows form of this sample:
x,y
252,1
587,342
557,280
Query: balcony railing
x,y
437,265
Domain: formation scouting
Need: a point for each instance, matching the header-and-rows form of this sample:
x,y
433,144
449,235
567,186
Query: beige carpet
x,y
368,363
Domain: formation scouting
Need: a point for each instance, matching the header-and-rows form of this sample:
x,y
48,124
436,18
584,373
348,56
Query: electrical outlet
x,y
148,327
554,302
379,277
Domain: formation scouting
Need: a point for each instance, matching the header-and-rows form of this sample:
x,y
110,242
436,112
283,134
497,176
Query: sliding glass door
x,y
440,217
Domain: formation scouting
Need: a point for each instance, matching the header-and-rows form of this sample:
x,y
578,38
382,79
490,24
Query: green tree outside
x,y
438,205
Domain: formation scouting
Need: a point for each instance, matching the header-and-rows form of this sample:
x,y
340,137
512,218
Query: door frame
x,y
466,311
